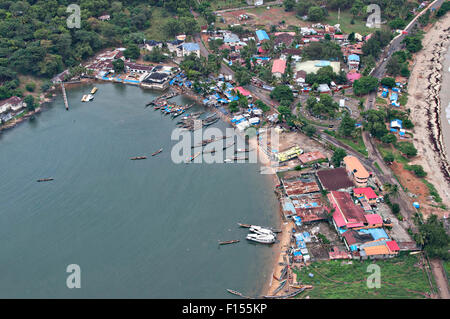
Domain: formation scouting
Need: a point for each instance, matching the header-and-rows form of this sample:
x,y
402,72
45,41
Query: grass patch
x,y
307,121
378,167
398,157
380,100
400,278
227,4
346,17
358,144
403,99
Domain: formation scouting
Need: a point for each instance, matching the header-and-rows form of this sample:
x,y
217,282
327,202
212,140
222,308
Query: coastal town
x,y
357,174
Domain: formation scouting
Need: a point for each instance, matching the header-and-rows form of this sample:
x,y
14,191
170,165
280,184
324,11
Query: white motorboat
x,y
90,97
261,230
263,239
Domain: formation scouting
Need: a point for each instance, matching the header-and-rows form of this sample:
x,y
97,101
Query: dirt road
x,y
441,280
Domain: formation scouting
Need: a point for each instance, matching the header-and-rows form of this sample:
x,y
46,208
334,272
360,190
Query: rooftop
x,y
354,165
347,213
366,191
334,179
262,35
279,66
311,156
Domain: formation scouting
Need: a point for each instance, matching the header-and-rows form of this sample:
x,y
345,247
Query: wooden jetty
x,y
66,103
45,180
228,242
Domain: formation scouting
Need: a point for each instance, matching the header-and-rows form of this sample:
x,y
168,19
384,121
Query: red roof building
x,y
243,91
393,247
366,192
346,215
278,67
374,220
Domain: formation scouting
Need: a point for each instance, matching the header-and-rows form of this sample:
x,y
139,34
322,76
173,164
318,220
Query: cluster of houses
x,y
291,44
350,206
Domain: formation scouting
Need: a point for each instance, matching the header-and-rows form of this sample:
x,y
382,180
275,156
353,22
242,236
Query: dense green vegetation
x,y
433,237
35,39
401,277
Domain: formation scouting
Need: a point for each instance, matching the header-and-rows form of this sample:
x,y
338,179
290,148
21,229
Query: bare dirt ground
x,y
423,89
263,17
441,281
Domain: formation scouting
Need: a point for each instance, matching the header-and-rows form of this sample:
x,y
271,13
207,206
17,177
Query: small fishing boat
x,y
301,286
157,152
282,284
244,225
229,145
94,90
244,150
228,242
228,160
138,158
45,180
289,295
191,158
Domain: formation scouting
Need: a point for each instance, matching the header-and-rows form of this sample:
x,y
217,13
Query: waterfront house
x,y
14,103
156,80
356,171
137,68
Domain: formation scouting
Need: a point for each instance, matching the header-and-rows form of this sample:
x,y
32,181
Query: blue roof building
x,y
353,57
262,35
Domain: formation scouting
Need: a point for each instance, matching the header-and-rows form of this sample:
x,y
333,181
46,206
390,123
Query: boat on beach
x,y
262,231
282,284
289,295
263,239
138,158
157,152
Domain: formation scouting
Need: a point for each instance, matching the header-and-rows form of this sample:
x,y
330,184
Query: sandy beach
x,y
424,88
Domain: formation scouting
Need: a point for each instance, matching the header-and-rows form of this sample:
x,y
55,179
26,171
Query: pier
x,y
66,103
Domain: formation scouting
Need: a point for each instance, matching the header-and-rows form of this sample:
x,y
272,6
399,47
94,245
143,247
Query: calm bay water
x,y
137,229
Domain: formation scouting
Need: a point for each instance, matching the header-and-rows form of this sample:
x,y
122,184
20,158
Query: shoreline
x,y
424,90
285,226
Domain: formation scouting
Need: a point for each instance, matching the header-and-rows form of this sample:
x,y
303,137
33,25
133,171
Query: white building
x,y
14,104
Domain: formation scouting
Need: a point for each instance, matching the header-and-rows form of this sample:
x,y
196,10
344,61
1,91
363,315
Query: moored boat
x,y
157,152
138,158
228,242
94,90
263,239
45,179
